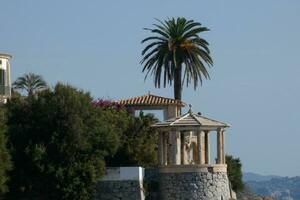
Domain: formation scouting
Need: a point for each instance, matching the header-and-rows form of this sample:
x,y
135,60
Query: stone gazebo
x,y
186,171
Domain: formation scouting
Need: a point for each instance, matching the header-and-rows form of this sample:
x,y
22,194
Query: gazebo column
x,y
200,148
207,148
182,148
161,148
175,148
223,147
165,148
219,146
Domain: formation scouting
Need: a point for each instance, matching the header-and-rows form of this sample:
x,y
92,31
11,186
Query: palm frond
x,y
30,82
176,43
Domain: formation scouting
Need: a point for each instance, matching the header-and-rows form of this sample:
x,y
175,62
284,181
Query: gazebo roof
x,y
191,119
4,55
150,100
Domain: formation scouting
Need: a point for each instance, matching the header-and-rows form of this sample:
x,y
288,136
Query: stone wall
x,y
151,183
121,183
163,184
119,190
194,186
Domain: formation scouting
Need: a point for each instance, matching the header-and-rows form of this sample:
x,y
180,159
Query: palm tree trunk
x,y
177,82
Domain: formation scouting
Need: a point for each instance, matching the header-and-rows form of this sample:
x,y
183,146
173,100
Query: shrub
x,y
58,141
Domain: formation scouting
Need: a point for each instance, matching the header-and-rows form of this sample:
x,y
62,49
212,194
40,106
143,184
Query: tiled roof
x,y
150,100
191,119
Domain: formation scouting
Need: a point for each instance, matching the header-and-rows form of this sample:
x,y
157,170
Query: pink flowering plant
x,y
109,104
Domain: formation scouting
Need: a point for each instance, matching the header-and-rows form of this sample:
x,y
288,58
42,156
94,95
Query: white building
x,y
5,83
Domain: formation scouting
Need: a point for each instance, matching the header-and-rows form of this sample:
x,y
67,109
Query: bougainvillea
x,y
104,103
109,104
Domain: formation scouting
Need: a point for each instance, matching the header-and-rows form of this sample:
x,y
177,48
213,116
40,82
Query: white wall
x,y
123,173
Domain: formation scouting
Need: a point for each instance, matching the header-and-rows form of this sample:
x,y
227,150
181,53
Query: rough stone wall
x,y
167,186
151,183
118,190
194,186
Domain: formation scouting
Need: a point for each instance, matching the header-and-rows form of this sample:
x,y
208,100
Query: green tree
x,y
176,48
31,83
234,168
58,141
5,162
139,143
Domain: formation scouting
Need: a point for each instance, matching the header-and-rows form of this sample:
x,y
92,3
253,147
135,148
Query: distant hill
x,y
249,176
281,188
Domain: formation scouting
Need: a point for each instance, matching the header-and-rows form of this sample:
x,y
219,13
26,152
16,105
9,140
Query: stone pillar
x,y
177,148
166,114
171,153
182,148
219,146
161,149
165,148
174,148
171,111
207,148
223,147
199,149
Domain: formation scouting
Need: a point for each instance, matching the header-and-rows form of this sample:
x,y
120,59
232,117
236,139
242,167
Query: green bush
x,y
138,143
58,140
5,162
234,168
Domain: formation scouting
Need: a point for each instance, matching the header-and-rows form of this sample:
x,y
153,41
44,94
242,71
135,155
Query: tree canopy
x,y
176,47
5,162
58,142
235,175
138,143
30,82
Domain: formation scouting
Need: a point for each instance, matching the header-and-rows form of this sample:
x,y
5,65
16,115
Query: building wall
x,y
4,63
5,90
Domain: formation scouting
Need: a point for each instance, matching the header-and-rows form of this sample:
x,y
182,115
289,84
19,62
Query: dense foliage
x,y
234,168
176,49
58,141
5,163
138,144
138,141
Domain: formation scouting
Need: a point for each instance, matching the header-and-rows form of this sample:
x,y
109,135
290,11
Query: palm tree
x,y
174,47
30,82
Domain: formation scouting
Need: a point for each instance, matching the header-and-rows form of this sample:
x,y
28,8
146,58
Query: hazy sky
x,y
95,45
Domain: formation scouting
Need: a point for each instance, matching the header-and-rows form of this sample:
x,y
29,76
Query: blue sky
x,y
95,45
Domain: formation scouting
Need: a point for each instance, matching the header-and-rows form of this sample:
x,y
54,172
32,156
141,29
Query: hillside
x,y
282,188
249,176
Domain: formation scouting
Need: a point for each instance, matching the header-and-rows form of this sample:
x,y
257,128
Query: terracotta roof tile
x,y
150,99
